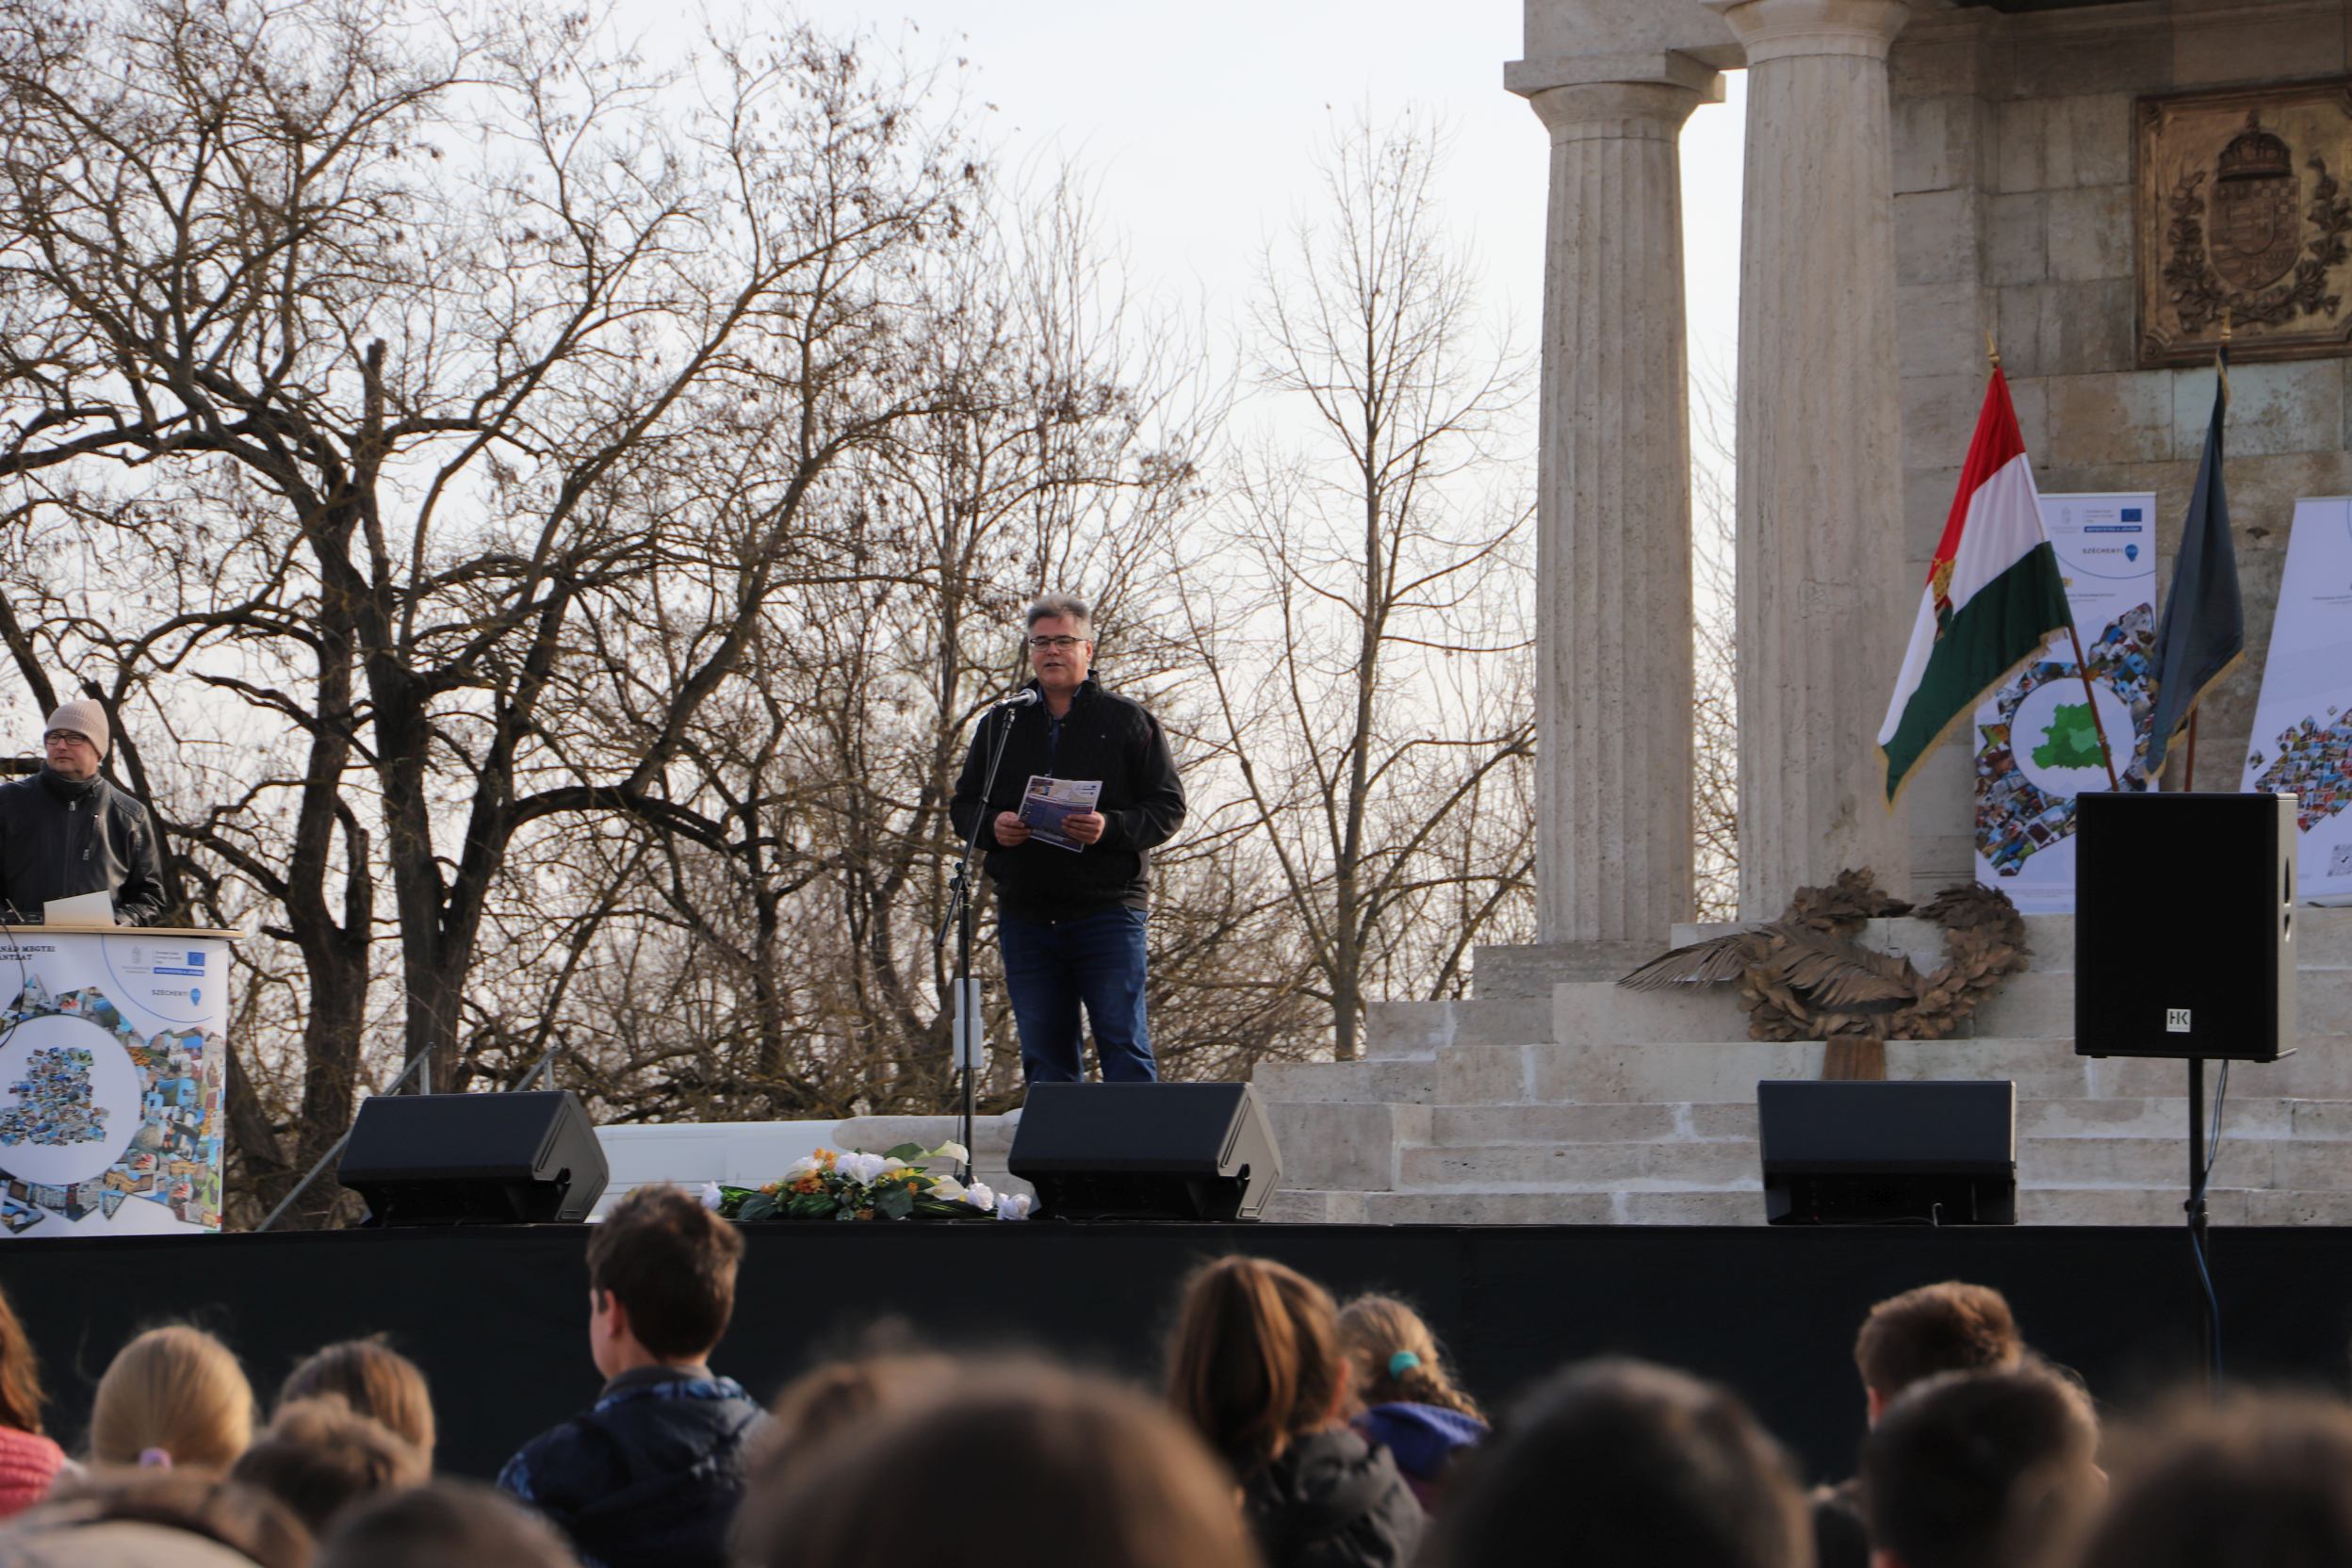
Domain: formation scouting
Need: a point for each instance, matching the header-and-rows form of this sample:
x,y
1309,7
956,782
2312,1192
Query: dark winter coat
x,y
1332,1500
647,1476
59,839
1104,737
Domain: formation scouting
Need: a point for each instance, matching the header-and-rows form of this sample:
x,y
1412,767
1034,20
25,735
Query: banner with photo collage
x,y
2037,744
2302,736
112,1063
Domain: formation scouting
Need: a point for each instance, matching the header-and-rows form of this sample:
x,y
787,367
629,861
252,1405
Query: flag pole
x,y
2099,725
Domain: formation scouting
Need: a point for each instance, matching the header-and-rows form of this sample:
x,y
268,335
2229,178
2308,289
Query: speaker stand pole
x,y
2196,1207
969,1023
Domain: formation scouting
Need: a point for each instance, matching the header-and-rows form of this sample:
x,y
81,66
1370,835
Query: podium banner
x,y
2037,744
2302,736
112,1066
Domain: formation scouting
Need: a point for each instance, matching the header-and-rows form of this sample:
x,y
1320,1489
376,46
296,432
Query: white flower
x,y
800,1166
861,1166
955,1151
712,1195
1014,1205
951,1190
979,1196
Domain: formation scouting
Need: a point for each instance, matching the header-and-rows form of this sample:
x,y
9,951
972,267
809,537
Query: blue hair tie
x,y
1402,1362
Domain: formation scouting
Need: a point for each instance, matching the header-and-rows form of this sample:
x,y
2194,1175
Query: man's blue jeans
x,y
1052,967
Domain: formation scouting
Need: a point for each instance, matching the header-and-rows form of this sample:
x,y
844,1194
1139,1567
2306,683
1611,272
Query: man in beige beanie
x,y
67,830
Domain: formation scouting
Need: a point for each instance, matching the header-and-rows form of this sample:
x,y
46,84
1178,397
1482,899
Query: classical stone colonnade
x,y
1821,601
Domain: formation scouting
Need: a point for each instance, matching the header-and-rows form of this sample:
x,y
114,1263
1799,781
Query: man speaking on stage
x,y
1085,789
67,831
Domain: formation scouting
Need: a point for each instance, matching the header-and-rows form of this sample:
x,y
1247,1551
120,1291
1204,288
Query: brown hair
x,y
1255,1361
1080,1473
318,1457
2265,1481
177,1389
236,1515
21,1397
1950,1326
1377,1331
443,1524
374,1381
820,1407
1981,1470
672,1263
1623,1464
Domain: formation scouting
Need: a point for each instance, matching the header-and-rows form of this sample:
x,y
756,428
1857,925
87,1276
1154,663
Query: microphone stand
x,y
967,1021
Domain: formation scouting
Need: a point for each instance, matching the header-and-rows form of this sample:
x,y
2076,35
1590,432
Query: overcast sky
x,y
1197,121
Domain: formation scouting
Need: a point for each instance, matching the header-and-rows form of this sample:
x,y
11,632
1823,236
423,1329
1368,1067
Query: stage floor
x,y
497,1316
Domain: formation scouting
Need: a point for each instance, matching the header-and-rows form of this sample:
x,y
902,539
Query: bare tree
x,y
423,357
1369,690
1715,727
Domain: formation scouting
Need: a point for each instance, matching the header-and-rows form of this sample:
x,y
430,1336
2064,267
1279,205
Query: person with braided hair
x,y
1405,1399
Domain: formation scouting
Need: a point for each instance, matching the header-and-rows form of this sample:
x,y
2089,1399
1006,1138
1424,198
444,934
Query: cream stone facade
x,y
1919,174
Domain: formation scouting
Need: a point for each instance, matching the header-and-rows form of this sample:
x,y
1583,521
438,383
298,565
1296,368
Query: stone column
x,y
1613,510
1823,607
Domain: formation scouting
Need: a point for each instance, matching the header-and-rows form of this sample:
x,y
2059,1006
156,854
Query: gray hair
x,y
1062,607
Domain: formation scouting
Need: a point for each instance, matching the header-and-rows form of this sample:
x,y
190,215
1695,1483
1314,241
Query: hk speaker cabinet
x,y
2185,926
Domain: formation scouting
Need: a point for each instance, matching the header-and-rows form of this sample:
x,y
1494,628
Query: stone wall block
x,y
2031,399
1937,237
1942,325
2109,419
1935,144
2242,48
1939,416
2022,326
2134,57
2088,326
2097,131
2291,406
2090,233
2017,237
2021,146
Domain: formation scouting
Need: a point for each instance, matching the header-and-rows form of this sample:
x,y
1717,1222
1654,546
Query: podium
x,y
113,1067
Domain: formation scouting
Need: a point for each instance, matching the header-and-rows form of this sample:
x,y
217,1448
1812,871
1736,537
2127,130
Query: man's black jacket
x,y
59,839
1106,737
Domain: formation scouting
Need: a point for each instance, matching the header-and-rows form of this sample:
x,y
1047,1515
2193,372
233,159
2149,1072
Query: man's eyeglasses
x,y
1054,645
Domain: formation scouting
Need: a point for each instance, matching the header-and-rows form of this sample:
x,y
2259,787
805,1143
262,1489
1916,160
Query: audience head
x,y
21,1397
183,1518
1622,1465
374,1381
1394,1358
171,1397
2265,1481
1256,1361
319,1457
1063,1470
1950,1327
443,1524
661,1280
1981,1470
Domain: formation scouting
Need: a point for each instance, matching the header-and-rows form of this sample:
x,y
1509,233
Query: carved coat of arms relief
x,y
2241,213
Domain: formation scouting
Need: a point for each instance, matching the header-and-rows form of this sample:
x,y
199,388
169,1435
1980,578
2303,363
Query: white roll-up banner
x,y
2302,736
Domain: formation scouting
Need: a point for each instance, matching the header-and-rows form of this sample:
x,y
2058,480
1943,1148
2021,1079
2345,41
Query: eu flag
x,y
2203,630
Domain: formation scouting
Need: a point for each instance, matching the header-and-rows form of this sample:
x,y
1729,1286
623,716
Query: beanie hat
x,y
84,717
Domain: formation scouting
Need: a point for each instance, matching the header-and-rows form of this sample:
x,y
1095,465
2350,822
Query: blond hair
x,y
1396,1357
176,1390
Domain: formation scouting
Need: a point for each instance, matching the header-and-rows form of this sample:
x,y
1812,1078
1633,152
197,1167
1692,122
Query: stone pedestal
x,y
1822,603
1613,507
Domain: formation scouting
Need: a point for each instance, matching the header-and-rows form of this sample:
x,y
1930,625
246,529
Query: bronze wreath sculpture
x,y
1804,976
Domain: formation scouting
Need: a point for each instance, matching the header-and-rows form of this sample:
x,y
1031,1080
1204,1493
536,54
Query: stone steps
x,y
1580,1102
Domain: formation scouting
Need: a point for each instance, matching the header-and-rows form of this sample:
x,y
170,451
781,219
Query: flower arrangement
x,y
853,1184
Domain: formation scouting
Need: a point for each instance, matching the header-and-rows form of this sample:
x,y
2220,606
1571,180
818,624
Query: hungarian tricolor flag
x,y
1993,594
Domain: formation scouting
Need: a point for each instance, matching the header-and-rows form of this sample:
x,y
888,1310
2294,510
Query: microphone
x,y
1026,697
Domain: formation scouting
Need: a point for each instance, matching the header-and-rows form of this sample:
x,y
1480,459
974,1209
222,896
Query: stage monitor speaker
x,y
1147,1151
1865,1152
2185,926
453,1159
